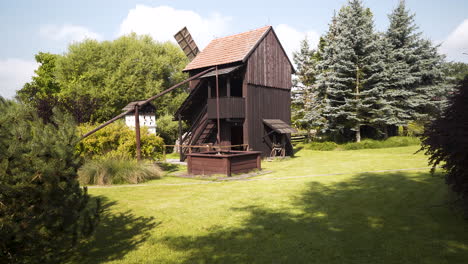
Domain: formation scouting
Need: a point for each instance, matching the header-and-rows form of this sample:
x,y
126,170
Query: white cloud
x,y
291,38
67,32
457,43
163,22
14,73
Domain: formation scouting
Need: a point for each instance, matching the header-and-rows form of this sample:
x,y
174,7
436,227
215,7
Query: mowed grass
x,y
392,217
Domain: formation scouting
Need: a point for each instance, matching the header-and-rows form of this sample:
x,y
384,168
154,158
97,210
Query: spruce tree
x,y
413,71
303,91
352,70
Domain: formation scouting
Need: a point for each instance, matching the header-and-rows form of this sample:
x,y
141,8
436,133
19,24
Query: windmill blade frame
x,y
186,43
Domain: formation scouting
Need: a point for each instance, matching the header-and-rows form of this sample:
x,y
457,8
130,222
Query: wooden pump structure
x,y
137,116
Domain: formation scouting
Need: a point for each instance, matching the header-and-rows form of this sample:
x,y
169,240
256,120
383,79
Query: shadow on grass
x,y
116,235
297,148
372,218
169,167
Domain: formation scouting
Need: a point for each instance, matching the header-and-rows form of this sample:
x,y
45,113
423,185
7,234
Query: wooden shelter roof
x,y
279,126
228,49
147,108
221,71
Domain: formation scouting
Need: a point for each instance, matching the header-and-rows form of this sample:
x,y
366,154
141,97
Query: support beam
x,y
146,101
137,133
181,155
218,136
175,86
228,86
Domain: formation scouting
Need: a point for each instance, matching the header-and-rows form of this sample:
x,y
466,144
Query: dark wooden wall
x,y
268,65
267,88
264,103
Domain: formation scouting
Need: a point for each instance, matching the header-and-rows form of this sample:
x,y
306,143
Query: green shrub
x,y
364,144
168,129
43,210
402,141
322,146
391,142
112,169
414,129
119,140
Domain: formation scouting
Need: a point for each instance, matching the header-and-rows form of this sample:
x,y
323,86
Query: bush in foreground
x,y
43,210
117,170
445,140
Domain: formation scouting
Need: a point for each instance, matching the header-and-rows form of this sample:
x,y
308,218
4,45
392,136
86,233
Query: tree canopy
x,y
366,78
94,80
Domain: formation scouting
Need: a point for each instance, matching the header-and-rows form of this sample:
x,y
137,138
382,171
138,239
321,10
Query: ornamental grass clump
x,y
117,170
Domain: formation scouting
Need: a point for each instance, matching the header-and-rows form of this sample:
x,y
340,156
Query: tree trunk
x,y
385,131
405,131
358,133
358,126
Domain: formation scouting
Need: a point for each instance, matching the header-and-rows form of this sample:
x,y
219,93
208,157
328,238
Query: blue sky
x,y
49,25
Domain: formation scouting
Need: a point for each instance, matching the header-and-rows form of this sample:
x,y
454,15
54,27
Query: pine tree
x,y
43,210
351,70
413,70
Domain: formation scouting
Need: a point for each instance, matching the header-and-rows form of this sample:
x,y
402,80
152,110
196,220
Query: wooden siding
x,y
268,65
264,103
245,163
229,107
227,163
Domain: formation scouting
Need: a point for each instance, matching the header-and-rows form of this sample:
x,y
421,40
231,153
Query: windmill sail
x,y
186,43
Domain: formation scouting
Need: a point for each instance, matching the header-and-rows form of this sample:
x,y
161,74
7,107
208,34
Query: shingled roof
x,y
228,49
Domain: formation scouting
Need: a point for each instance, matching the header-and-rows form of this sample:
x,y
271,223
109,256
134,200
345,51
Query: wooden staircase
x,y
207,133
201,132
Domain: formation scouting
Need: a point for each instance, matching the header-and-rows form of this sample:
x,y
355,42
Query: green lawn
x,y
393,217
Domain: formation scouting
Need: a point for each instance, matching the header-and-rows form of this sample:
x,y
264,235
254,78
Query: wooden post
x,y
228,86
218,136
137,133
181,155
259,161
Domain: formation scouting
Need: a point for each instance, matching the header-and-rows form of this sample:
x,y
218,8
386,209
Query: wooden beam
x,y
137,133
146,101
175,86
218,136
106,123
181,155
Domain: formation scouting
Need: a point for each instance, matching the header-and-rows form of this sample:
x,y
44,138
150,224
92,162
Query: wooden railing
x,y
195,124
229,107
208,147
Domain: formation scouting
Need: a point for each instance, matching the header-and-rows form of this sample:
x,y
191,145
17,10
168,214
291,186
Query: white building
x,y
147,116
